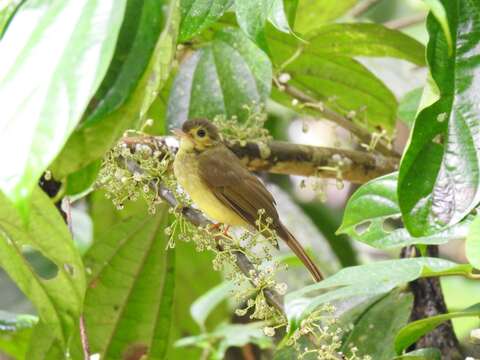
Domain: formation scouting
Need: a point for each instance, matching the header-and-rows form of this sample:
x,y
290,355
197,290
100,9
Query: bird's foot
x,y
225,230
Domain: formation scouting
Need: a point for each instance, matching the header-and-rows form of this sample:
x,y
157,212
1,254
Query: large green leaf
x,y
197,15
222,78
472,245
440,172
364,39
128,304
372,215
92,140
415,330
381,322
337,80
49,70
366,280
314,13
57,296
408,106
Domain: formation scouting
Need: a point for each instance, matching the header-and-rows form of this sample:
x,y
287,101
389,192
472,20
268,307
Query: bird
x,y
223,188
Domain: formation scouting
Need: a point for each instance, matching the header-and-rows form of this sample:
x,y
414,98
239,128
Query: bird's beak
x,y
179,133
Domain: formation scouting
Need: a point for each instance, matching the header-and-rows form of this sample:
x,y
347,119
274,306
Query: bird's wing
x,y
235,186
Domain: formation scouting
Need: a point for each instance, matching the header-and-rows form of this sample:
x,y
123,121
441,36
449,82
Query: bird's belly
x,y
187,176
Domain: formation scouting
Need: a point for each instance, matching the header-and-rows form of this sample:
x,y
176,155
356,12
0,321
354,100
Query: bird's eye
x,y
201,133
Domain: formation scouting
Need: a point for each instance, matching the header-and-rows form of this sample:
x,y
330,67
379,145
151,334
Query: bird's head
x,y
198,135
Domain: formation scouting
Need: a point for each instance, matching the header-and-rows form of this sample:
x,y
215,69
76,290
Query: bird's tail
x,y
295,246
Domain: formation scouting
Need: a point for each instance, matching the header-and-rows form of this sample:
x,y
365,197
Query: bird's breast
x,y
186,171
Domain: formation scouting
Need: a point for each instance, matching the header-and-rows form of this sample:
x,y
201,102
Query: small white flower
x,y
269,331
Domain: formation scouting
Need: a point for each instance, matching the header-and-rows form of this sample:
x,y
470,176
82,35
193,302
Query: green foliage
x,y
365,280
372,215
129,311
415,330
76,76
90,142
434,186
58,299
49,106
222,78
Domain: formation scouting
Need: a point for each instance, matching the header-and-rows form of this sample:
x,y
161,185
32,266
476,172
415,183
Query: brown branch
x,y
406,21
428,301
284,158
361,133
197,218
362,7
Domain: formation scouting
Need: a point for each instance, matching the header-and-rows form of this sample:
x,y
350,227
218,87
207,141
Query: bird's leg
x,y
214,227
225,230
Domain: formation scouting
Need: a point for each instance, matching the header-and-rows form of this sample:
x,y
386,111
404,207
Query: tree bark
x,y
428,301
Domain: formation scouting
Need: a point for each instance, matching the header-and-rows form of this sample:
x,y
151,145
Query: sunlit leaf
x,y
7,9
221,78
439,180
415,330
314,13
137,83
41,100
252,16
57,295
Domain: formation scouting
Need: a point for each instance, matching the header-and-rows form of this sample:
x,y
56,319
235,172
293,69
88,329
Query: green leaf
x,y
92,140
39,109
7,10
437,9
408,106
366,280
128,304
314,13
197,15
372,216
252,16
57,296
362,39
421,354
227,336
381,322
415,330
81,180
439,180
203,306
338,81
220,79
472,245
15,333
279,16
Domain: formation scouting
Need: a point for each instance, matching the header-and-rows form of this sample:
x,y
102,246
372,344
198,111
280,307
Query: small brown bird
x,y
223,188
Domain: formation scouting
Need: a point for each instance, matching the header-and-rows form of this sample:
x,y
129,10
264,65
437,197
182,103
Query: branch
x,y
362,7
284,158
361,133
405,21
198,219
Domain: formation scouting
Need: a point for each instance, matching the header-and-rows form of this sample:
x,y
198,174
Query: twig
x,y
405,21
362,7
362,134
84,339
284,158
